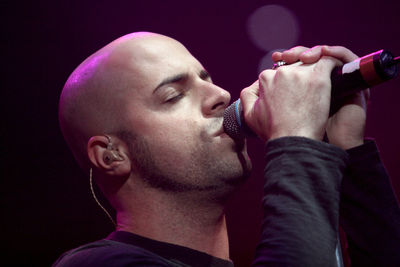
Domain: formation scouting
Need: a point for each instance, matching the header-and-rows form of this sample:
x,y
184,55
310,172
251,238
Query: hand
x,y
345,128
290,101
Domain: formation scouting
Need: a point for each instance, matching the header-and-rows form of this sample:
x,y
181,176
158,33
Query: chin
x,y
243,169
231,186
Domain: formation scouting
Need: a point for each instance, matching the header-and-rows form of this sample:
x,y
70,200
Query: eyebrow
x,y
173,79
181,77
204,75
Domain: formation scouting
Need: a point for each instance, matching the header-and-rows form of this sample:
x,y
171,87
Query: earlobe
x,y
107,156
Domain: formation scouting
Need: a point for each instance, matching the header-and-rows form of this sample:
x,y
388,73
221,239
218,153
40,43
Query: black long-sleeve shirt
x,y
301,203
369,210
307,183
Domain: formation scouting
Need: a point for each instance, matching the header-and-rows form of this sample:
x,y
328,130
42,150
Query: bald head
x,y
92,100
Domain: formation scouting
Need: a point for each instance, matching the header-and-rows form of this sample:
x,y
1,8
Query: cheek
x,y
178,130
170,156
175,143
173,136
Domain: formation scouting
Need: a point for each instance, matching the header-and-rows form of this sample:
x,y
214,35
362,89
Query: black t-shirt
x,y
126,249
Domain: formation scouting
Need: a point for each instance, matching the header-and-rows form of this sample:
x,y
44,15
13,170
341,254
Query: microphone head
x,y
234,124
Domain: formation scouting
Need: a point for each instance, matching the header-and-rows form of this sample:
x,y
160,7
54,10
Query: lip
x,y
220,131
224,135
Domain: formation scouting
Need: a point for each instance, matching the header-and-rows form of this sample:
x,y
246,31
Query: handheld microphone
x,y
352,77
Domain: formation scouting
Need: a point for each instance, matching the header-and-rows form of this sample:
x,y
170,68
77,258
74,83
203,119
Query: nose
x,y
215,99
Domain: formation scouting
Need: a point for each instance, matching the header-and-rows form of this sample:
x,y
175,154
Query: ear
x,y
109,155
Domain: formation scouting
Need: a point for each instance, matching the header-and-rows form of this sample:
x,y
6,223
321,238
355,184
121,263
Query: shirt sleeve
x,y
301,203
369,211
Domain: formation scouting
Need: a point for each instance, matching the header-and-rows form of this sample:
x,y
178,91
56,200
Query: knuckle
x,y
244,93
299,47
284,72
319,82
338,47
318,46
265,75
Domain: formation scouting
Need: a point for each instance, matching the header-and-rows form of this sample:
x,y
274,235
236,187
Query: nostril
x,y
217,105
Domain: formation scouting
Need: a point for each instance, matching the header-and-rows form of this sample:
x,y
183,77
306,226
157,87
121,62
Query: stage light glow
x,y
272,28
266,61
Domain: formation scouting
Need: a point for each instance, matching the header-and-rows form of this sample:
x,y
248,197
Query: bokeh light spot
x,y
266,62
272,26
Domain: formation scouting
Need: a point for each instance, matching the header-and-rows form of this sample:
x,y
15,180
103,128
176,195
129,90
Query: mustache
x,y
216,126
212,129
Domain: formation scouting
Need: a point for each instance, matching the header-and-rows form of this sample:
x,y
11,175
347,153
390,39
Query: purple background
x,y
45,199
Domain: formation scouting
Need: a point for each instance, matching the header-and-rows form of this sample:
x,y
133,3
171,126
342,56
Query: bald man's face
x,y
175,112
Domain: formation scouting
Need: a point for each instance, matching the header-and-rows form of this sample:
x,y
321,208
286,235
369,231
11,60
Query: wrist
x,y
347,144
297,133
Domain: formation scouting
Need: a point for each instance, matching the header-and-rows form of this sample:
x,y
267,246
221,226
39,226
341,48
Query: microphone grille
x,y
232,120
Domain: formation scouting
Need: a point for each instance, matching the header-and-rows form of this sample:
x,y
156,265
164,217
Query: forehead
x,y
150,60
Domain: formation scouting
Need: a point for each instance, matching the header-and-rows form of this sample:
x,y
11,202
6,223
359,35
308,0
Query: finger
x,y
277,56
292,55
254,111
248,97
311,55
367,94
325,66
339,52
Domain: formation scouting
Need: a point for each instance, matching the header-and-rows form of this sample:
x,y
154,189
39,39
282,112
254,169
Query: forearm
x,y
301,203
369,212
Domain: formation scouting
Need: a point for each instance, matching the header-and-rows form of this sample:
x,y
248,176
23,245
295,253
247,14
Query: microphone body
x,y
352,77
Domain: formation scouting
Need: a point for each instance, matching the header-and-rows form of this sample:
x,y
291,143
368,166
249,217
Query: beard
x,y
202,173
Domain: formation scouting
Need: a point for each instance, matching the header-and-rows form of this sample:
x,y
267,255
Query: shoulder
x,y
109,253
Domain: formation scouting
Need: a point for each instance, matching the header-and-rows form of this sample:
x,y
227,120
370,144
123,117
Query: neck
x,y
177,219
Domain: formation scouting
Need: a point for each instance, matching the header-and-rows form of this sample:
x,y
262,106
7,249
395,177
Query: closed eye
x,y
175,98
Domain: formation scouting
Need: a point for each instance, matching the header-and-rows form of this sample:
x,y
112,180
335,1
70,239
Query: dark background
x,y
46,204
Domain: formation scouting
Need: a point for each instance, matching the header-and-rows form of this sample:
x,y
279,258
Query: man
x,y
144,115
